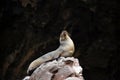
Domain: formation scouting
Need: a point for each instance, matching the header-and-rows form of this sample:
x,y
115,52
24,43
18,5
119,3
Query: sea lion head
x,y
64,35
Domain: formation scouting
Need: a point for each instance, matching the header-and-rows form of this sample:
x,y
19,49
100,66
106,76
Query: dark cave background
x,y
28,28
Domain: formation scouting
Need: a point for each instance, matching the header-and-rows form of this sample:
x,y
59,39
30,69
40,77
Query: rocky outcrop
x,y
61,69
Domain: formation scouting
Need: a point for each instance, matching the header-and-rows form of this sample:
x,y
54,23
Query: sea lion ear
x,y
65,33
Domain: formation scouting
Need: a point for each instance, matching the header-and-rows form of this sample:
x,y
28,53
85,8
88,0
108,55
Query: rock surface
x,y
61,69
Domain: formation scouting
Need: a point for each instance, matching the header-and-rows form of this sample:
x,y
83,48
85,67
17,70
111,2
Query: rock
x,y
61,69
